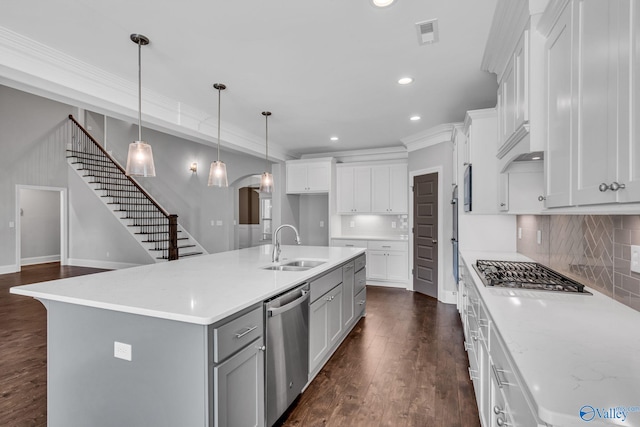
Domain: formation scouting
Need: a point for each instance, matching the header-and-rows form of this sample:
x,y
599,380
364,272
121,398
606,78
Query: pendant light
x,y
266,181
140,158
218,171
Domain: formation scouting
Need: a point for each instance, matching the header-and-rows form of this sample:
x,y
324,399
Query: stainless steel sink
x,y
310,263
285,268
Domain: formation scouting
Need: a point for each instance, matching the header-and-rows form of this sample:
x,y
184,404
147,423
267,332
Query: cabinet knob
x,y
501,422
616,186
434,241
262,348
497,410
541,198
603,187
503,204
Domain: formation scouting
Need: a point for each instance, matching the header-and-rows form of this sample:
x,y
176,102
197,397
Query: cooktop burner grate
x,y
525,275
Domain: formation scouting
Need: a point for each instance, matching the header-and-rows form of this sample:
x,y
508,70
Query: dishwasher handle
x,y
275,311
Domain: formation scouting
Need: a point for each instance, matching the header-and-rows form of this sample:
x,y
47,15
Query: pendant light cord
x,y
219,89
139,90
266,140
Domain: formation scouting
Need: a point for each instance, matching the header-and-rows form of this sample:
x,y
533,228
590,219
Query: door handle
x,y
434,241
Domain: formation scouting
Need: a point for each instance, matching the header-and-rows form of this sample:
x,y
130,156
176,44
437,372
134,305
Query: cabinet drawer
x,y
505,378
361,261
349,243
234,335
360,302
361,280
324,284
387,245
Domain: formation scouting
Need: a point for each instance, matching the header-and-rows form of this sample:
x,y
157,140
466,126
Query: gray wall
x,y
440,155
33,141
313,209
33,153
39,225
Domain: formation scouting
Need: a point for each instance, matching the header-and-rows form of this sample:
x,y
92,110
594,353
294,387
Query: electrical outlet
x,y
393,224
635,259
12,224
122,351
219,222
321,224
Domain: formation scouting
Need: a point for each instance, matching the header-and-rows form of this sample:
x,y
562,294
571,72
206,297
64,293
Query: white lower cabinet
x,y
388,261
500,397
325,325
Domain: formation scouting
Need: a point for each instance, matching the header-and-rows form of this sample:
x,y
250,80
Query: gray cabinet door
x,y
318,335
348,293
239,389
335,324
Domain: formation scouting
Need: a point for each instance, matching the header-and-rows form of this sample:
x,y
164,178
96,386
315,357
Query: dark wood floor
x,y
403,365
23,346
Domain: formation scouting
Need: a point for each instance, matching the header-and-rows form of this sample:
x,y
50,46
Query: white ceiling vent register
x,y
428,31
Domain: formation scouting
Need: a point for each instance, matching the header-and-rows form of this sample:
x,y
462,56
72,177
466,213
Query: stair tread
x,y
183,255
179,247
163,240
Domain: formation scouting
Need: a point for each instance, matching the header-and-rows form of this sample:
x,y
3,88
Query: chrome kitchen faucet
x,y
275,255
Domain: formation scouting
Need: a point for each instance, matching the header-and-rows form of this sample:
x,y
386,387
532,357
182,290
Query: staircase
x,y
151,225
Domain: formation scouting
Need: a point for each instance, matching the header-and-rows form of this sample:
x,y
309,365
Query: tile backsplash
x,y
593,249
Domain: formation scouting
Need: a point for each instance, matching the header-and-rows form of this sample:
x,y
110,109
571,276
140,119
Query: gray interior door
x,y
425,235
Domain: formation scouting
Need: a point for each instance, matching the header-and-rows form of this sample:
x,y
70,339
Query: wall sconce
x,y
194,167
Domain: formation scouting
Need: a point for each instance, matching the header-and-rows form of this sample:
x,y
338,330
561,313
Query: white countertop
x,y
570,350
199,290
402,238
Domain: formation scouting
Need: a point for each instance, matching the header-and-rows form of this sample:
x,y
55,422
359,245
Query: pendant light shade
x,y
140,157
218,170
266,181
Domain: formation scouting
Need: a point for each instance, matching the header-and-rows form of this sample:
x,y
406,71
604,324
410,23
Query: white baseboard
x,y
387,284
40,259
107,265
6,269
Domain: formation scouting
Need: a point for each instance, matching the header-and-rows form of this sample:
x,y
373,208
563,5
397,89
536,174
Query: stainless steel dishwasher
x,y
287,363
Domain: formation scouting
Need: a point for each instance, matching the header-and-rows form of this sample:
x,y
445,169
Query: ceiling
x,y
323,68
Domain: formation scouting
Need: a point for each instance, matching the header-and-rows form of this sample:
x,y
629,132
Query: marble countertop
x,y
570,350
200,290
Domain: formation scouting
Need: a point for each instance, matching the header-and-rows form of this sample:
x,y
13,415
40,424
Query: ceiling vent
x,y
428,31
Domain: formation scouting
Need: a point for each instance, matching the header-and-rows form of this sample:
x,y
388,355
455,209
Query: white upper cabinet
x,y
591,153
309,176
390,188
372,188
353,188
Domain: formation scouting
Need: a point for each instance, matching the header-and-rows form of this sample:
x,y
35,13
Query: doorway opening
x,y
41,225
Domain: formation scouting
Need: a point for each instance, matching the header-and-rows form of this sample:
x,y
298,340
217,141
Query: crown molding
x,y
33,67
476,115
432,136
550,16
367,155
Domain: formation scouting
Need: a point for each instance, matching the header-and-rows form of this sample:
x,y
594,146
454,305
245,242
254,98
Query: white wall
x,y
39,226
314,208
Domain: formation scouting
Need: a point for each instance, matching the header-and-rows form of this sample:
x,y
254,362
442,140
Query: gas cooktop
x,y
525,275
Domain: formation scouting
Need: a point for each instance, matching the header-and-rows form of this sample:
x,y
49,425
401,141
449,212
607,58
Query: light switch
x,y
635,259
352,224
393,224
321,224
519,232
539,237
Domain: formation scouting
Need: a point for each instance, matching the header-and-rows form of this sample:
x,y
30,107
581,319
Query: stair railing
x,y
154,221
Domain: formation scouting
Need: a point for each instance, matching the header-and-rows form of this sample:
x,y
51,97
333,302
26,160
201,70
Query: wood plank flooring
x,y
403,365
23,346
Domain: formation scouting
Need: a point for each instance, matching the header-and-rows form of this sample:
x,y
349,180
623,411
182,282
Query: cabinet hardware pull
x,y
386,246
361,302
249,329
503,204
497,410
603,187
498,380
541,198
501,422
616,186
434,241
349,246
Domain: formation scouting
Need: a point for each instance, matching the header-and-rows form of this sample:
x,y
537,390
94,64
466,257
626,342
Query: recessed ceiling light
x,y
405,81
382,3
334,138
414,118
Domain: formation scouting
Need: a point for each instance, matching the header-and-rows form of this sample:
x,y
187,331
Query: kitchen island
x,y
549,358
143,346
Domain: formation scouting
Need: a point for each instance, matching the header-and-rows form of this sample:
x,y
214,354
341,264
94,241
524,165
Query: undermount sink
x,y
285,268
295,265
309,263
